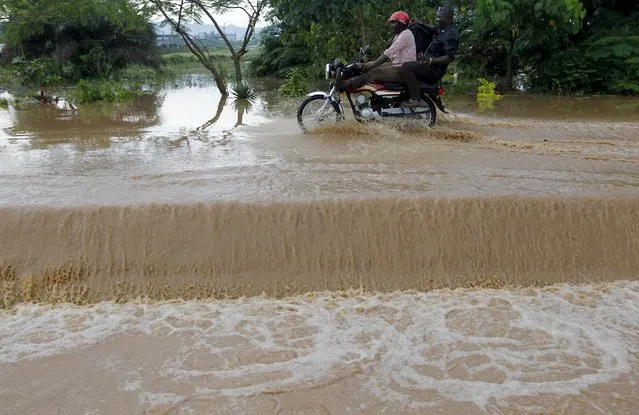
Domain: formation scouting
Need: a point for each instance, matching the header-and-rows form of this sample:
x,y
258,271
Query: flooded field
x,y
184,145
188,254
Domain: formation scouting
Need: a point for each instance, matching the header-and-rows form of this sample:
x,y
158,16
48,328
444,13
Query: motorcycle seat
x,y
398,86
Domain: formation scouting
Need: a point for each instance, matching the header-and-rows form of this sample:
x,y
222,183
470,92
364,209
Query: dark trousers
x,y
383,73
415,71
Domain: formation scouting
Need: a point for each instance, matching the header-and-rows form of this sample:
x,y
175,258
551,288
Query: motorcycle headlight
x,y
330,71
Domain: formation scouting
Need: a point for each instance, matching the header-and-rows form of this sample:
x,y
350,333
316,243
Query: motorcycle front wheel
x,y
316,111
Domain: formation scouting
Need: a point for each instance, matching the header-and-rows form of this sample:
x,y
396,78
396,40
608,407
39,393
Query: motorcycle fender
x,y
440,104
318,94
326,96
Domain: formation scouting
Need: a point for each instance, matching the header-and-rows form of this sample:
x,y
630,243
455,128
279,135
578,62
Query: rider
x,y
432,66
386,68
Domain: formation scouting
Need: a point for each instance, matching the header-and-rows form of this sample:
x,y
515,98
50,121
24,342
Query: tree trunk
x,y
509,61
219,82
509,71
238,68
362,25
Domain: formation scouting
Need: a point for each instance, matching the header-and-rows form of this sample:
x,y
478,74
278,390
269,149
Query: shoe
x,y
414,103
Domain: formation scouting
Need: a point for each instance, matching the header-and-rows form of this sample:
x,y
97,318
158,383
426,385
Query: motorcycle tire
x,y
432,109
339,117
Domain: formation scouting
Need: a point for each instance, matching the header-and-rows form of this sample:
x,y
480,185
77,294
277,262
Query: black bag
x,y
423,37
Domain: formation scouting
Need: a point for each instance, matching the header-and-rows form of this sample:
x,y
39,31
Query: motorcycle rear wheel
x,y
430,117
331,113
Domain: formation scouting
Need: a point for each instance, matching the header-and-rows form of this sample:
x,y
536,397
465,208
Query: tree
x,y
82,38
602,57
177,12
526,24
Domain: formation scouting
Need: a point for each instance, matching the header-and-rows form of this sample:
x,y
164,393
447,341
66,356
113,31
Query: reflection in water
x,y
178,128
218,113
174,114
242,106
595,108
89,128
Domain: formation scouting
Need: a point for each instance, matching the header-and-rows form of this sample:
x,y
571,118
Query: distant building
x,y
163,39
217,36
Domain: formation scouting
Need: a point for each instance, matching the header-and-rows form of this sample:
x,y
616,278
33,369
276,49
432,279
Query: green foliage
x,y
36,72
523,31
526,17
76,39
486,89
187,62
242,90
605,59
486,95
136,75
179,59
569,72
4,103
275,58
295,84
622,47
89,92
8,78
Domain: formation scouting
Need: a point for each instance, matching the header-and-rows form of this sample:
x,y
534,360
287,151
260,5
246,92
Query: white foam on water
x,y
159,399
465,345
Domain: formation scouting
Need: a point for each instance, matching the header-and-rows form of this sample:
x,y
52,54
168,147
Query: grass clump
x,y
89,92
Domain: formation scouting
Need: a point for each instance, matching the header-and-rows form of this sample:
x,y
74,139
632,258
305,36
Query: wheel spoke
x,y
309,116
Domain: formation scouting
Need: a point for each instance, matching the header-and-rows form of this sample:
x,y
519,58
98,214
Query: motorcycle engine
x,y
362,102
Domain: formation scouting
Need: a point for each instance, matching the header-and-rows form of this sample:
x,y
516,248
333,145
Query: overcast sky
x,y
234,17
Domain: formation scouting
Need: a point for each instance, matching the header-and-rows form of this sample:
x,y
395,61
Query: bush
x,y
243,90
295,83
8,77
88,92
486,95
36,72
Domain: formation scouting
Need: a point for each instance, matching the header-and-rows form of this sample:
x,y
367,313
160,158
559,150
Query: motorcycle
x,y
374,101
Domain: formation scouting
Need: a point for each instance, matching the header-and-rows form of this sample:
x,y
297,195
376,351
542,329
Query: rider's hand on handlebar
x,y
365,67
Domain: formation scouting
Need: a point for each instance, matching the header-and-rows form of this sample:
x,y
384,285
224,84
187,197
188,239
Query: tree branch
x,y
201,52
250,30
217,26
240,8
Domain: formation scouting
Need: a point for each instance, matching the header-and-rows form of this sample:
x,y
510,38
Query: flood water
x,y
187,254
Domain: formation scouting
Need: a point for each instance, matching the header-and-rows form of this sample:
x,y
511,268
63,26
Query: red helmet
x,y
399,17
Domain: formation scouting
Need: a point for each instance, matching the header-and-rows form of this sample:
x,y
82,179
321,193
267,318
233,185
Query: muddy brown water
x,y
220,261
